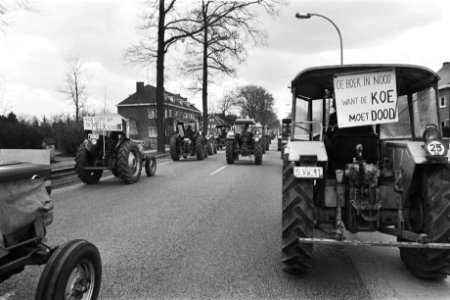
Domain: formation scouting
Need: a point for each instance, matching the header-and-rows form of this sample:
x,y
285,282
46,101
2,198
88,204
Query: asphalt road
x,y
208,230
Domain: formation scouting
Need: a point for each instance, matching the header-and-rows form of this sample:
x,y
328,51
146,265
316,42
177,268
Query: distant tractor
x,y
284,134
378,167
243,141
108,146
188,141
220,136
267,138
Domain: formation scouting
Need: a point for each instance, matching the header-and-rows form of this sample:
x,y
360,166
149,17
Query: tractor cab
x,y
285,133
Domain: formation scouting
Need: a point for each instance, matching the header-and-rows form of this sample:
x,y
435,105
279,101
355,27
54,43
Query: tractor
x,y
267,138
244,140
72,270
220,136
188,141
259,132
367,154
284,134
108,146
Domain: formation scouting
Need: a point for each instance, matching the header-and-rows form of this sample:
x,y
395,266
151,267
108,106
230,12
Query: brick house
x,y
141,107
444,94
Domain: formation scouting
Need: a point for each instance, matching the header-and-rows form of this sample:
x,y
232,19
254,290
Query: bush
x,y
69,136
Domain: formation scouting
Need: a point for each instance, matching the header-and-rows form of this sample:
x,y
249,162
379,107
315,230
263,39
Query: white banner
x,y
366,99
104,123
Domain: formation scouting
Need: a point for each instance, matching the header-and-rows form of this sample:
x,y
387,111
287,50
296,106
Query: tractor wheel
x,y
129,163
230,156
209,148
215,148
263,147
74,271
297,221
267,144
150,166
200,148
434,194
258,153
83,158
174,151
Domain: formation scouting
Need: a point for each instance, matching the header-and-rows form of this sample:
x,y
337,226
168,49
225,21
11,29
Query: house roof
x,y
444,73
147,96
216,117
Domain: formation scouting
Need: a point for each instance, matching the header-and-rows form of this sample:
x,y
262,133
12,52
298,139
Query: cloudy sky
x,y
34,46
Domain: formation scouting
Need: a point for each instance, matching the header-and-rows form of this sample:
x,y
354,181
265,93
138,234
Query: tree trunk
x,y
205,74
160,80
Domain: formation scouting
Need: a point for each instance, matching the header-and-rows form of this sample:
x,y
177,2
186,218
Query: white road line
x,y
218,170
164,163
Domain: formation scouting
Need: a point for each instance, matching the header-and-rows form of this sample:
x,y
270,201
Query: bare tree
x,y
226,103
227,29
74,87
11,6
172,27
256,102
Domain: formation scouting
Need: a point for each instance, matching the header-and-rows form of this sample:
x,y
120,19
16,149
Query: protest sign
x,y
366,98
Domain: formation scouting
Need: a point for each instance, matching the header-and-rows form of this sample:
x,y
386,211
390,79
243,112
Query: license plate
x,y
308,172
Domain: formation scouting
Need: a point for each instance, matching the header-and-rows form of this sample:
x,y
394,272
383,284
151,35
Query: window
x,y
442,124
166,113
184,115
442,102
151,113
152,132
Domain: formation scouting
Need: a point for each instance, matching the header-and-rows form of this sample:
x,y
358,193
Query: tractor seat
x,y
343,145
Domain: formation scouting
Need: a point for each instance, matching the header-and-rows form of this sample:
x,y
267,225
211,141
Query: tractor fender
x,y
295,149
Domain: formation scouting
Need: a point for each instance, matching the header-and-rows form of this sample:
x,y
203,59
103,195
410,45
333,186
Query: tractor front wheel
x,y
297,221
129,163
83,158
434,196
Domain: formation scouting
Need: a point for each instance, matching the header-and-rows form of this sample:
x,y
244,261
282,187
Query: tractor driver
x,y
189,132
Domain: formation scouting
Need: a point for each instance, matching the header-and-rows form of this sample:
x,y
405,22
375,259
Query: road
x,y
208,230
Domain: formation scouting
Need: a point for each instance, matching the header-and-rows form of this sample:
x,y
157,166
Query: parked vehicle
x,y
72,270
380,167
108,145
188,141
243,140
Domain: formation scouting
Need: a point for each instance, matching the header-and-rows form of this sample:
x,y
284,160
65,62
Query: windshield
x,y
424,112
302,129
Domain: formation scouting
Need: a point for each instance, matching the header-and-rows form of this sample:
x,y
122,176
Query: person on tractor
x,y
189,132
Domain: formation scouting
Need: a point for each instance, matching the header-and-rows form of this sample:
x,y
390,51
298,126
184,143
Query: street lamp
x,y
308,16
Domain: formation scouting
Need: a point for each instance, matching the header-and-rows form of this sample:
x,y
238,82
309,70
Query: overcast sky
x,y
33,48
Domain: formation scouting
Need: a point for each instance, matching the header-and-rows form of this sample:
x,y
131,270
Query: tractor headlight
x,y
256,139
94,141
187,140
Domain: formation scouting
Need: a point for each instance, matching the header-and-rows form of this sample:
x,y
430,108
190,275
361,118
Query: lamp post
x,y
308,16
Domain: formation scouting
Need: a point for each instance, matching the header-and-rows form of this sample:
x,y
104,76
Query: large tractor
x,y
220,136
284,134
367,154
244,140
188,141
108,146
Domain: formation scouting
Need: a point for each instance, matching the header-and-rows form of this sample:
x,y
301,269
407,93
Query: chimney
x,y
446,64
139,86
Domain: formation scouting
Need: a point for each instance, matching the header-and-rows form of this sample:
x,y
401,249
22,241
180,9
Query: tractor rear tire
x,y
173,146
214,148
258,153
83,158
129,162
297,222
209,148
229,153
434,192
200,148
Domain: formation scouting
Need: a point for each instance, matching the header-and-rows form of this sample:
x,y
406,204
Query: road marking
x,y
218,170
164,163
